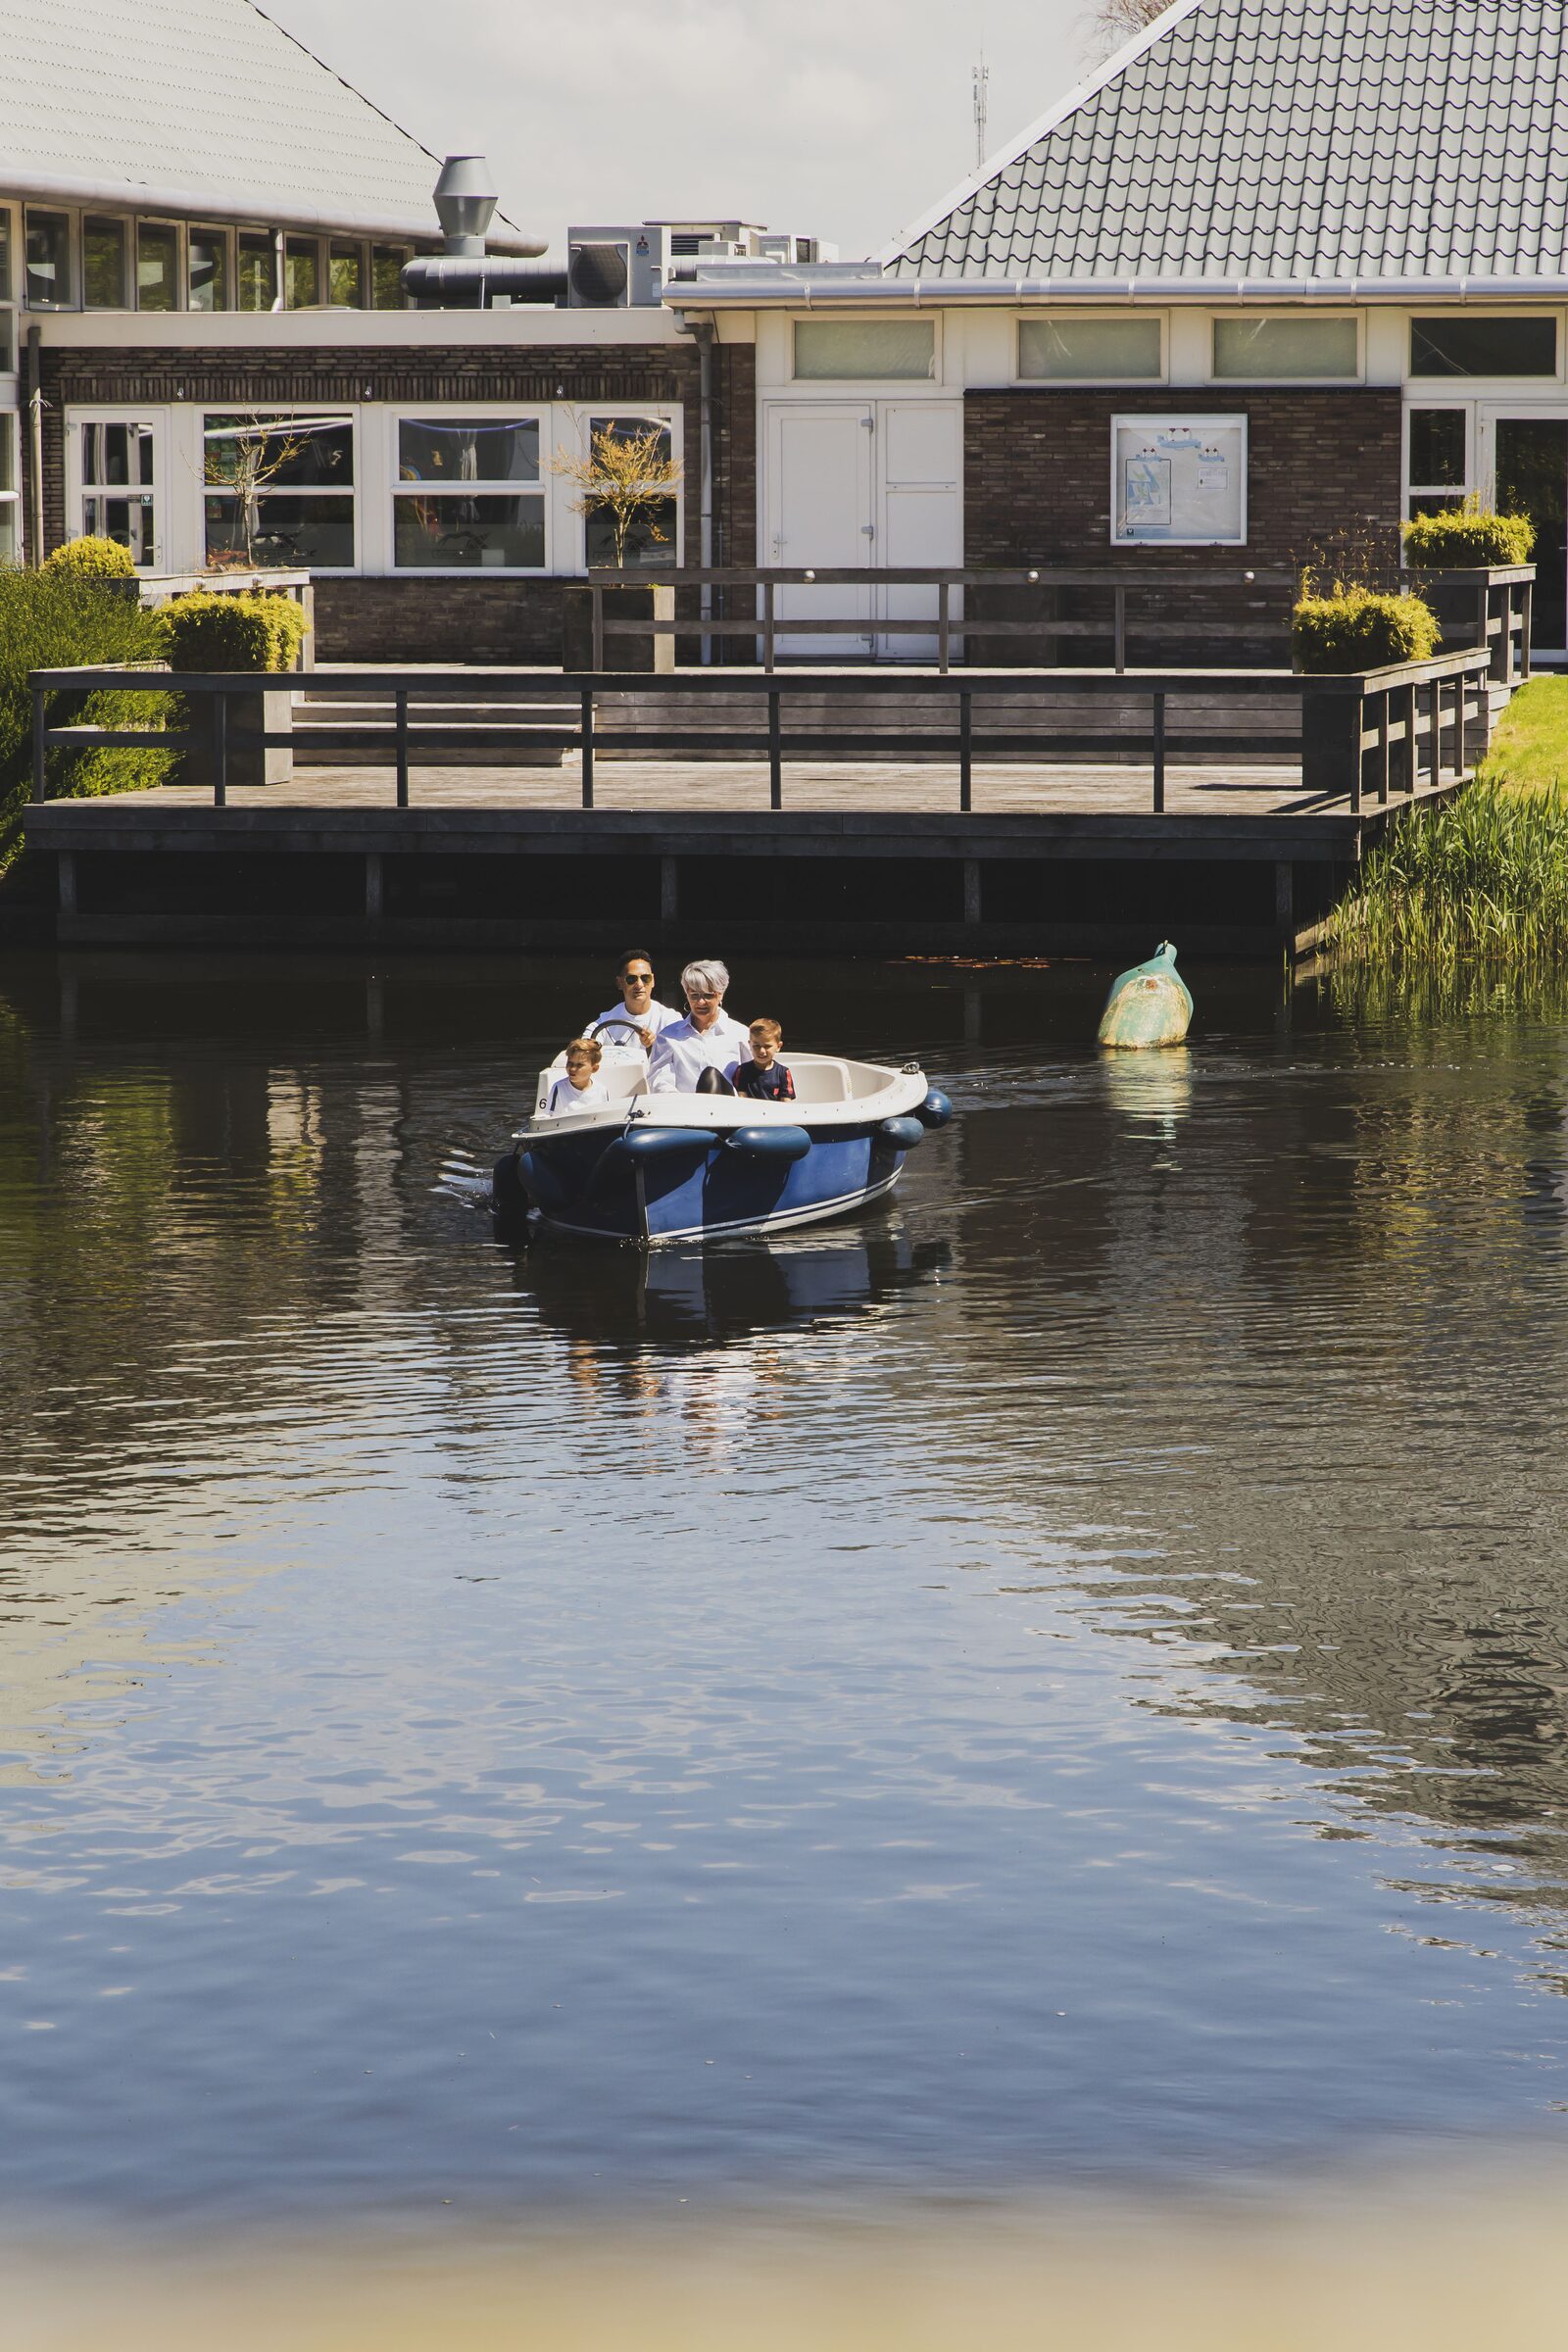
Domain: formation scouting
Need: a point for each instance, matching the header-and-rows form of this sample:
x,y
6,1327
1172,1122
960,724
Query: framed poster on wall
x,y
1178,481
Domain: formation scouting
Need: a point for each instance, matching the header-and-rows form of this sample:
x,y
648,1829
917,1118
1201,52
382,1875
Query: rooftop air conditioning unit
x,y
615,269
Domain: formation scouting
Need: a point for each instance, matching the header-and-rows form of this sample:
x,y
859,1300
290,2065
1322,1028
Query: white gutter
x,y
246,207
743,289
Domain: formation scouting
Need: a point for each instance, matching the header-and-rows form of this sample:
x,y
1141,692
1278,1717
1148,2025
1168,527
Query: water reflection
x,y
1009,1688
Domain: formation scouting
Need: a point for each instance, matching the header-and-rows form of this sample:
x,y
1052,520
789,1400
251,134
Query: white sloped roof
x,y
201,105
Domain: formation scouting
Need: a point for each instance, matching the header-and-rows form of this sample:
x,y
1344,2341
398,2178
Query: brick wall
x,y
395,618
1037,490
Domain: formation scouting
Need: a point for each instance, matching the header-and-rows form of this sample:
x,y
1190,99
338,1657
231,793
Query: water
x,y
1060,1683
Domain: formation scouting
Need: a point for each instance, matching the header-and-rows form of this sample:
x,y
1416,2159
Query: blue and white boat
x,y
650,1168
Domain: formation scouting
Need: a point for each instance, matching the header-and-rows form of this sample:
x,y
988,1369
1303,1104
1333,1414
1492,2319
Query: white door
x,y
117,469
821,515
920,462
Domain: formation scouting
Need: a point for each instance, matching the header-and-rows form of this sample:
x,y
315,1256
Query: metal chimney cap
x,y
465,203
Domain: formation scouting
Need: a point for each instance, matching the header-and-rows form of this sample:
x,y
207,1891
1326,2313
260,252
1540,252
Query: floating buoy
x,y
1149,1006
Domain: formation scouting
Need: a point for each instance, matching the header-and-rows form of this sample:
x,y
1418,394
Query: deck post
x,y
587,747
943,626
1383,749
1159,754
965,753
775,754
1285,897
668,890
402,746
40,750
1121,630
1412,747
1526,606
767,624
971,892
597,599
373,886
66,881
220,750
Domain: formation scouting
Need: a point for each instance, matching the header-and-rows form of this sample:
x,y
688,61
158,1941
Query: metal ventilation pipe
x,y
464,276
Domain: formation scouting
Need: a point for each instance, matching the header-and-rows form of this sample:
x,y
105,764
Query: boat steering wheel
x,y
633,1030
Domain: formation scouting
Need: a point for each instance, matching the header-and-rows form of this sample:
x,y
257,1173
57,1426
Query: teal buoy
x,y
1149,1006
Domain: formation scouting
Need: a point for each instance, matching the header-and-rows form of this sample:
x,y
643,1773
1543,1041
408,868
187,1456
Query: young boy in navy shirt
x,y
764,1077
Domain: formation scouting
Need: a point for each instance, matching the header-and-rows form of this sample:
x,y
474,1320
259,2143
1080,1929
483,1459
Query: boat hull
x,y
698,1187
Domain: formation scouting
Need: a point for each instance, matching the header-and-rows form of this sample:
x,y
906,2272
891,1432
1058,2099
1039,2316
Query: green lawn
x,y
1530,749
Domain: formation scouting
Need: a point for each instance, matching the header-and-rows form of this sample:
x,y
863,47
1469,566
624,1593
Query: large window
x,y
257,272
156,266
1091,350
279,491
207,270
467,495
386,276
104,281
1180,480
346,275
652,543
301,272
119,491
1463,343
881,350
1294,345
1439,473
51,283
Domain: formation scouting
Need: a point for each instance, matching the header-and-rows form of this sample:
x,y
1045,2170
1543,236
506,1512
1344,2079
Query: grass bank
x,y
1484,879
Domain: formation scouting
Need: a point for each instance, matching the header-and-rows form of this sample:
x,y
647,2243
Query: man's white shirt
x,y
658,1017
681,1054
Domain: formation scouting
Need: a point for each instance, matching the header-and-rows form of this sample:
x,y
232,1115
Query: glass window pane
x,y
386,276
301,272
451,533
128,520
1089,347
7,459
8,530
156,266
49,279
1268,347
8,342
833,349
209,269
286,532
456,450
1471,346
290,452
5,255
115,456
346,276
633,428
1436,446
103,265
1433,502
651,542
258,273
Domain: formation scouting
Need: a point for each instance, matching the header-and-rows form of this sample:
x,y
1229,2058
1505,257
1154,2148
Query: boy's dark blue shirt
x,y
764,1086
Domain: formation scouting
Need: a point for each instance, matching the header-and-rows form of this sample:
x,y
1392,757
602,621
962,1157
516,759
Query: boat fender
x,y
659,1142
770,1142
903,1134
936,1110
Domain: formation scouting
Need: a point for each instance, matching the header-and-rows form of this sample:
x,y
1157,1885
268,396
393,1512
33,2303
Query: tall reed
x,y
1483,878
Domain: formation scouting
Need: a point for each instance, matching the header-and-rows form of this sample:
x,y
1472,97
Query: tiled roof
x,y
1288,139
209,99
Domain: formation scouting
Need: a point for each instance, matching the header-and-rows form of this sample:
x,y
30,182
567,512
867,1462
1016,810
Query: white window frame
x,y
73,217
1140,420
208,229
274,413
469,412
1251,317
1466,408
830,387
669,415
181,260
1090,318
10,499
152,414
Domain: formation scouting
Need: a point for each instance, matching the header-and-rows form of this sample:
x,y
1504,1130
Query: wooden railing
x,y
1374,734
949,625
1491,604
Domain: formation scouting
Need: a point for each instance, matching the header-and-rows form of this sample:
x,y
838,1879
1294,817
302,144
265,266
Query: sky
x,y
840,119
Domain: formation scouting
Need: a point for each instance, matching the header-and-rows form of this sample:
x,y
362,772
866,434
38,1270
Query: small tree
x,y
1111,23
625,477
243,457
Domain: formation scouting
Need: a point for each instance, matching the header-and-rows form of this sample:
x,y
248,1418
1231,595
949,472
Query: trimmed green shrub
x,y
1468,536
92,559
207,631
1355,628
57,620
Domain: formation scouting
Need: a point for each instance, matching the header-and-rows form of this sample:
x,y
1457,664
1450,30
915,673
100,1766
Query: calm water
x,y
1060,1682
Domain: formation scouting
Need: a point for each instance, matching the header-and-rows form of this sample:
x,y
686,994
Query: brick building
x,y
1282,271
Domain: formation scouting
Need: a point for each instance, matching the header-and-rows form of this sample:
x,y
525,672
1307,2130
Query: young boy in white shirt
x,y
582,1087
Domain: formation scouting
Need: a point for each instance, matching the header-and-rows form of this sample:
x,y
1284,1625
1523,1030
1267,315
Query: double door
x,y
1530,471
858,484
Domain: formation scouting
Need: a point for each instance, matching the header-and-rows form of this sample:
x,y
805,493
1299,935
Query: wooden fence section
x,y
1379,733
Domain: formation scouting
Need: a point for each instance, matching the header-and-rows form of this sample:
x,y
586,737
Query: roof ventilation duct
x,y
464,276
464,204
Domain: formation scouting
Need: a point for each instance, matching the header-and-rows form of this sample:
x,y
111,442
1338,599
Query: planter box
x,y
249,763
644,601
1479,605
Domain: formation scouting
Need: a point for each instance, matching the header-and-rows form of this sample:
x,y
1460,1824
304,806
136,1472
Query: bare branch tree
x,y
1109,24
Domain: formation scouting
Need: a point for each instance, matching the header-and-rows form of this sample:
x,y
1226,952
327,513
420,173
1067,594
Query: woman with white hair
x,y
699,1055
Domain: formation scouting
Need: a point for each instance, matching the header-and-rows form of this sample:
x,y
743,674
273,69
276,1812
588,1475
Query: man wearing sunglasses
x,y
639,1017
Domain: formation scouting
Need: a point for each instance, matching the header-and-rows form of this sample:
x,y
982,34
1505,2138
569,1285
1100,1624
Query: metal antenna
x,y
982,83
